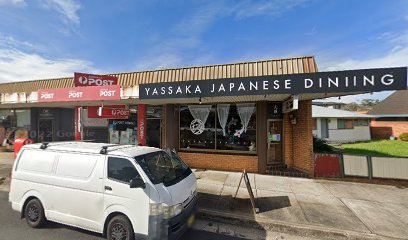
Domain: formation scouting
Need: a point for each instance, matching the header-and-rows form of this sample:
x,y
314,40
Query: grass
x,y
378,148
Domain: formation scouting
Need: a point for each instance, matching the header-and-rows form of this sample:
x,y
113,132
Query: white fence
x,y
378,167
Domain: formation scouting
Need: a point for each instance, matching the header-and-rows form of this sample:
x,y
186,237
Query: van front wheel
x,y
119,228
34,213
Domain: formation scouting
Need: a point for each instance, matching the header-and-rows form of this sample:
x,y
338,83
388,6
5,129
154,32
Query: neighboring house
x,y
335,105
391,116
340,126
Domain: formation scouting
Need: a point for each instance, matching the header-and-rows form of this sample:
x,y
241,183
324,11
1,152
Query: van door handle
x,y
108,188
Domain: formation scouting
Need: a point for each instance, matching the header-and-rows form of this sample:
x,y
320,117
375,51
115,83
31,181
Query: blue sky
x,y
54,38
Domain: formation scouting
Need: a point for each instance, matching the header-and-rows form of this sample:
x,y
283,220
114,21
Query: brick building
x,y
391,116
251,115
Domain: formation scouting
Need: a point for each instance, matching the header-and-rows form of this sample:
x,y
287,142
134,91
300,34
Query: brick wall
x,y
222,162
298,139
385,129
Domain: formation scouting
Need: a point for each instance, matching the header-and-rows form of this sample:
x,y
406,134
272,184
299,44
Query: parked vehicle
x,y
121,191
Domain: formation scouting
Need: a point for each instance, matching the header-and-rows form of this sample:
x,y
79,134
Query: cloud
x,y
67,8
19,66
19,61
252,8
13,2
395,57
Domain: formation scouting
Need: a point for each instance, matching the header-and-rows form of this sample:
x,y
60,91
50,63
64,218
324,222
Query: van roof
x,y
95,148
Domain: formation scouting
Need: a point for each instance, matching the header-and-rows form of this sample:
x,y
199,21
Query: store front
x,y
232,117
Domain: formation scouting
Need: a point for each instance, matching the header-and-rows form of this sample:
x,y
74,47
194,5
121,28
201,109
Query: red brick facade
x,y
297,148
385,129
298,139
223,162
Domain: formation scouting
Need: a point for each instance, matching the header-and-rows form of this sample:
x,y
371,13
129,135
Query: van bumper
x,y
178,225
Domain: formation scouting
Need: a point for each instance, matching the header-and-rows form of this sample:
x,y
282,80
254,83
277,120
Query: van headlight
x,y
172,211
156,209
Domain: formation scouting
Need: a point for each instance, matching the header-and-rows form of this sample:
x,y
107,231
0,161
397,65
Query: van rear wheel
x,y
34,214
119,228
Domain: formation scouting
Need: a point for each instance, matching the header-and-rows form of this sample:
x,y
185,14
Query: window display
x,y
123,131
218,127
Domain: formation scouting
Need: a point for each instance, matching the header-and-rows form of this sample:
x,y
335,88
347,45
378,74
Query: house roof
x,y
292,65
394,105
324,112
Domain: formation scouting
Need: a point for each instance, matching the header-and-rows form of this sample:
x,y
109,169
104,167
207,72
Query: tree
x,y
369,102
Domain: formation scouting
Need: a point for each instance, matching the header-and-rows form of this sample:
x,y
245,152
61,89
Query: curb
x,y
303,230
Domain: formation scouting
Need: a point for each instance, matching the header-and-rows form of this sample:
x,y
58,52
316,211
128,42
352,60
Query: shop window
x,y
123,131
218,127
236,127
344,124
197,126
361,122
314,124
23,118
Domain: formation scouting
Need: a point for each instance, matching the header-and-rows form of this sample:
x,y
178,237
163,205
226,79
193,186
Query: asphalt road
x,y
14,228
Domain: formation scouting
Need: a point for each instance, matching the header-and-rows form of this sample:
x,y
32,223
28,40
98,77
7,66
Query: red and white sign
x,y
85,79
79,94
141,122
111,112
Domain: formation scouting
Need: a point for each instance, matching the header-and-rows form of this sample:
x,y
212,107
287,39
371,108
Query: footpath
x,y
310,208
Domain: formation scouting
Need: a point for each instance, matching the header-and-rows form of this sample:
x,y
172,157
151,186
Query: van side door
x,y
119,197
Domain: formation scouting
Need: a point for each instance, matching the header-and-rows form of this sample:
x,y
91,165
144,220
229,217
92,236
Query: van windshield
x,y
163,167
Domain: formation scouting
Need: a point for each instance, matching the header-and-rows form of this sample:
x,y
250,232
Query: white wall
x,y
358,133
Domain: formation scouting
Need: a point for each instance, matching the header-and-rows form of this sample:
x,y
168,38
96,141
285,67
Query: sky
x,y
55,38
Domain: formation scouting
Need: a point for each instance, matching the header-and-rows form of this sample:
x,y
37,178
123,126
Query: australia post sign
x,y
85,80
352,81
79,94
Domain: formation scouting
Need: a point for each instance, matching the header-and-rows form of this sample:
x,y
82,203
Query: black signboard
x,y
363,80
249,188
275,110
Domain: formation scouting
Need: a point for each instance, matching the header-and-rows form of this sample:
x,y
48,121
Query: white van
x,y
122,191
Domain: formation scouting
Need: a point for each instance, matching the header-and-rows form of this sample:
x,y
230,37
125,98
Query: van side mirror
x,y
137,182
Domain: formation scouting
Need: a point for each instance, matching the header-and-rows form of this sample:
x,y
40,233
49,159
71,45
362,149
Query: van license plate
x,y
191,220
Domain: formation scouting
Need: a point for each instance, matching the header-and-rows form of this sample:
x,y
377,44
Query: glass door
x,y
45,130
274,151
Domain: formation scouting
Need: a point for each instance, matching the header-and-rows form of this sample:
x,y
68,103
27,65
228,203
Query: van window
x,y
36,161
121,169
76,165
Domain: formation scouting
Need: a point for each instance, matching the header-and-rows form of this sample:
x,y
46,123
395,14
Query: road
x,y
14,228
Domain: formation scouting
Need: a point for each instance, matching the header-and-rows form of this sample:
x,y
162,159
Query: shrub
x,y
320,145
404,137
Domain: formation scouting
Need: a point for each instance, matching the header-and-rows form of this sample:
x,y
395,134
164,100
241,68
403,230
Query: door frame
x,y
52,127
282,137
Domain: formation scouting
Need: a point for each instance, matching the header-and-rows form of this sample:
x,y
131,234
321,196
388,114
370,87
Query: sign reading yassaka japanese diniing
x,y
364,80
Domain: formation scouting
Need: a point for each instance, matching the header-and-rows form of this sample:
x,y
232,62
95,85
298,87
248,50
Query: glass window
x,y
198,131
123,131
221,126
361,122
239,130
121,169
162,167
344,124
23,118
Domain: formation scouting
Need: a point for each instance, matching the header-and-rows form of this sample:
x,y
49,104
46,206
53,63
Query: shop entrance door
x,y
153,132
45,130
274,151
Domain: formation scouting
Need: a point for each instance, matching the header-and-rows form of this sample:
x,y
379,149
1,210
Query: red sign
x,y
141,122
111,112
85,80
79,94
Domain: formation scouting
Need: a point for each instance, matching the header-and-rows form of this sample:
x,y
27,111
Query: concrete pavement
x,y
6,163
319,208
